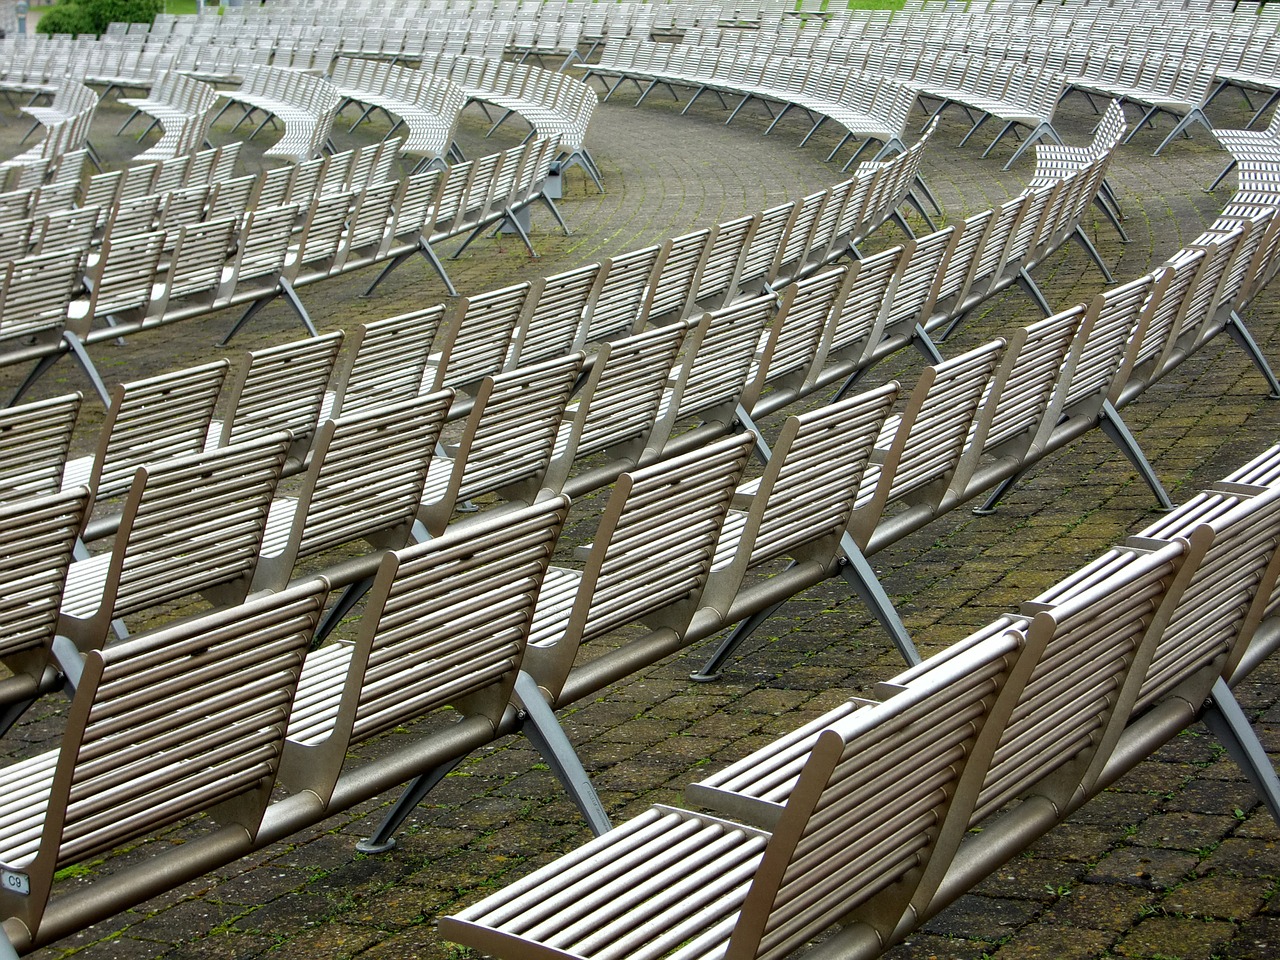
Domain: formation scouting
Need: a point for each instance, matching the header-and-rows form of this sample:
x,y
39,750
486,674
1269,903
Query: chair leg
x,y
248,315
81,355
391,265
415,792
928,194
693,98
993,499
1241,335
351,595
1222,176
430,255
41,367
813,129
974,129
1227,722
555,212
926,346
858,574
1146,118
286,288
1112,215
546,734
741,103
1193,116
776,120
1083,240
901,221
1117,431
1262,109
1032,290
1040,132
714,667
843,141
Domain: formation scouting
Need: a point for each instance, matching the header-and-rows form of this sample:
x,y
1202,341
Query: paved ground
x,y
1177,861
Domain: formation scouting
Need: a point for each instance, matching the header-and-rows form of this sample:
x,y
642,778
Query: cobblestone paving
x,y
1177,860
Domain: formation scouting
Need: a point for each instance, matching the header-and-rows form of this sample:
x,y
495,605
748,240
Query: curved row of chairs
x,y
308,743
247,241
666,567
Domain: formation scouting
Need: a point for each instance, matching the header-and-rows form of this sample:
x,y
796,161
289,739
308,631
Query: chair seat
x,y
315,707
555,601
85,582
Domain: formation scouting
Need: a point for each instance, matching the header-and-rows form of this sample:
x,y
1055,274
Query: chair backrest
x,y
929,438
281,388
789,356
364,481
34,440
204,702
553,323
479,337
1114,319
165,549
37,536
649,560
718,280
446,623
152,419
387,360
1024,385
618,410
1085,634
618,305
673,287
1223,599
508,439
37,292
863,816
717,360
801,505
858,322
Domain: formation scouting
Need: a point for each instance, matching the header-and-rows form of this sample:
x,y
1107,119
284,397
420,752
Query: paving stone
x,y
1100,906
1173,937
982,918
1145,867
1042,942
1221,898
1257,939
